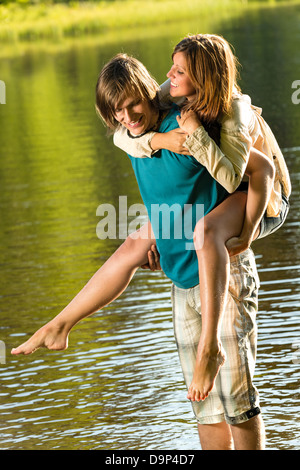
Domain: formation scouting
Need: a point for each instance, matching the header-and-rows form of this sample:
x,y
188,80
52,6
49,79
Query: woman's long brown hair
x,y
212,69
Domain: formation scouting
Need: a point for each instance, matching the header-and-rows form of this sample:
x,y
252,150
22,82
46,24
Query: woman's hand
x,y
188,122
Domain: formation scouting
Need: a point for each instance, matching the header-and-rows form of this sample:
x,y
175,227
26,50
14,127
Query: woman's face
x,y
181,84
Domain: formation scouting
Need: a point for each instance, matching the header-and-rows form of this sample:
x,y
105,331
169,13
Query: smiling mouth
x,y
134,124
174,85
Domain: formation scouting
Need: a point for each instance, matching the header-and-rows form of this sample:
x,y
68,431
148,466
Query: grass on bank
x,y
55,21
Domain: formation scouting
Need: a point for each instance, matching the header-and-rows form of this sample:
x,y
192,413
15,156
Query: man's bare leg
x,y
249,435
215,436
106,285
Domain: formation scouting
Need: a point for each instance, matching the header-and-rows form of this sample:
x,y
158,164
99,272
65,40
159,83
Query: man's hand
x,y
153,258
237,245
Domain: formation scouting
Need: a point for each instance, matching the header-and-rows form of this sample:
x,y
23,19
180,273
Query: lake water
x,y
119,384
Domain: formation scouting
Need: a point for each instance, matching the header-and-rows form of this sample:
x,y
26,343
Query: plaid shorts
x,y
234,398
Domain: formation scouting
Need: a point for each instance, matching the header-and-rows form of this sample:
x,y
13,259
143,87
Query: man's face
x,y
136,115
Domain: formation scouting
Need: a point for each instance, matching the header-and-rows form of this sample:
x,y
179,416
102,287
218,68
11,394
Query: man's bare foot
x,y
205,373
50,336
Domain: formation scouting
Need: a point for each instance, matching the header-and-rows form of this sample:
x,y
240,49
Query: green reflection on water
x,y
57,166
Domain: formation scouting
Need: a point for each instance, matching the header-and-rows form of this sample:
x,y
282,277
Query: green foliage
x,y
34,20
70,2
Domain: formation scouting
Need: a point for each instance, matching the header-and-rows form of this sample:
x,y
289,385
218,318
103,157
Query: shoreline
x,y
55,22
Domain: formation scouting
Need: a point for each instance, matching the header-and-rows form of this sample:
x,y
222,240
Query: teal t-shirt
x,y
177,191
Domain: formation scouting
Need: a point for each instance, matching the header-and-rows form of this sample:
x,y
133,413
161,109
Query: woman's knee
x,y
135,249
205,233
130,245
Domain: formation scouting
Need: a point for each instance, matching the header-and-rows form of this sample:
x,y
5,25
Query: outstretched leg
x,y
210,237
106,285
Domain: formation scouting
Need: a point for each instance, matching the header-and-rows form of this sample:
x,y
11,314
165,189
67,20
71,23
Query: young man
x,y
230,415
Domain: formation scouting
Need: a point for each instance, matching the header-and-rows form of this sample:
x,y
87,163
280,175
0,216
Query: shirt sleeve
x,y
138,147
227,163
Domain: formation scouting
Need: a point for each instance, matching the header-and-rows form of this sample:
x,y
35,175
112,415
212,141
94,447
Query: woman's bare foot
x,y
51,336
206,370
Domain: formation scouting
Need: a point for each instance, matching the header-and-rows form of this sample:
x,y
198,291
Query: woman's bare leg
x,y
224,222
107,284
261,172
